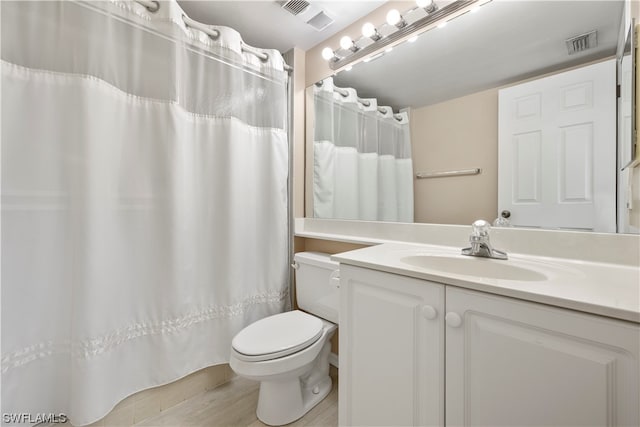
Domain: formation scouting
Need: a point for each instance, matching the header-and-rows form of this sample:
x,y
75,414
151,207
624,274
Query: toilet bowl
x,y
288,353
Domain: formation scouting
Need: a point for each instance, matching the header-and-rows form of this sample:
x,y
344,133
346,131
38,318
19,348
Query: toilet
x,y
289,352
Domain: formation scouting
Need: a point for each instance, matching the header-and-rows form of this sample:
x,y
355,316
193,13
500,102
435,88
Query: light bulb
x,y
349,68
442,24
427,5
346,42
412,39
389,49
327,53
368,30
393,17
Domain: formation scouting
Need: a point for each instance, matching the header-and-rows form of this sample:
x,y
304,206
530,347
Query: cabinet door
x,y
513,363
391,349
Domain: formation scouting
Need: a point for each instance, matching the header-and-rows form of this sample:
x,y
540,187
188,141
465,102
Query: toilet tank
x,y
317,281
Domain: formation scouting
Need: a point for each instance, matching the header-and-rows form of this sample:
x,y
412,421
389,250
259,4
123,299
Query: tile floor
x,y
234,404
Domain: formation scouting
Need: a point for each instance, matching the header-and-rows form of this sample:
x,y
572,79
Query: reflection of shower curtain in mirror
x,y
362,158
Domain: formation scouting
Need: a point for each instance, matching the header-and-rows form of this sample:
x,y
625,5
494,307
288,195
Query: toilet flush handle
x,y
335,278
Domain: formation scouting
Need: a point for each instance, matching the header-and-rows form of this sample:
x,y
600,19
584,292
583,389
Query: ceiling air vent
x,y
582,42
295,7
307,12
320,21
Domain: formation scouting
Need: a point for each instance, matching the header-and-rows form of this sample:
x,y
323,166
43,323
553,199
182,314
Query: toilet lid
x,y
278,335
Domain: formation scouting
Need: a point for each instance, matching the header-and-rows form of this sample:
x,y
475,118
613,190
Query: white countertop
x,y
611,290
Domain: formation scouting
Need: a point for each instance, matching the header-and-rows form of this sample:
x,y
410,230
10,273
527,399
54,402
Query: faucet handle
x,y
481,228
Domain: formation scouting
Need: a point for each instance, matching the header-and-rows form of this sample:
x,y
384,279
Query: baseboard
x,y
333,359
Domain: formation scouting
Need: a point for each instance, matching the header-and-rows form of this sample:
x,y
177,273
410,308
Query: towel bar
x,y
423,175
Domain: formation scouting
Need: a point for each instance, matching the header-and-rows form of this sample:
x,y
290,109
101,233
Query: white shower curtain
x,y
362,158
144,200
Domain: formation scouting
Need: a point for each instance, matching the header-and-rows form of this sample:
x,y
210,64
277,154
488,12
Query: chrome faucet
x,y
480,245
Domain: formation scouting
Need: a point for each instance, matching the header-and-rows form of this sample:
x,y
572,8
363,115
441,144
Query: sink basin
x,y
474,266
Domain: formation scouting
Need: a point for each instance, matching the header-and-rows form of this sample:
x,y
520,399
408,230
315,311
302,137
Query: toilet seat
x,y
277,336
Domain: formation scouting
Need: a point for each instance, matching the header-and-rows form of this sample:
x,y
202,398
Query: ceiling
x,y
504,42
264,24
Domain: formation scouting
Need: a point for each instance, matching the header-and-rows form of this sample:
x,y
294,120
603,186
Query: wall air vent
x,y
295,7
582,42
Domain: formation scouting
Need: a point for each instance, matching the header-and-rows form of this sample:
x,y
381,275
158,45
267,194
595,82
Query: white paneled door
x,y
557,150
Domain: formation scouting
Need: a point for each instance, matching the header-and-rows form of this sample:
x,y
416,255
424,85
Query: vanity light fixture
x,y
354,51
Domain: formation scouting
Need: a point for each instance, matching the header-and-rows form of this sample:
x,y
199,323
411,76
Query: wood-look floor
x,y
234,404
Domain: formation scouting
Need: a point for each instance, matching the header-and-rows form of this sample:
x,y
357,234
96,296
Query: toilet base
x,y
284,402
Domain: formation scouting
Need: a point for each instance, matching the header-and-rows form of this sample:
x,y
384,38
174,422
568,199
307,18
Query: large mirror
x,y
508,114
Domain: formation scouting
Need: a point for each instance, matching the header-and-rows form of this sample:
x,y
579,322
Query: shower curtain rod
x,y
154,5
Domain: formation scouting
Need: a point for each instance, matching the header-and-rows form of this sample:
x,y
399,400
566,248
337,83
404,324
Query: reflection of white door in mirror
x,y
557,150
626,130
625,127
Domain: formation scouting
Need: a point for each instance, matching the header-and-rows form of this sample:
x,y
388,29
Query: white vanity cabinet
x,y
512,362
391,349
506,362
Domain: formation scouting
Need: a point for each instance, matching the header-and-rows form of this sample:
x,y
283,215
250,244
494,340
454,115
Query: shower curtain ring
x,y
190,23
155,7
